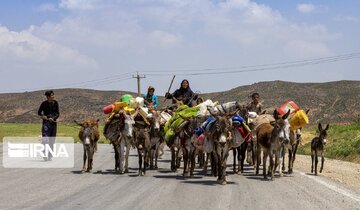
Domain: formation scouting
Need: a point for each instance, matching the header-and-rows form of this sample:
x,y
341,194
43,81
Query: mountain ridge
x,y
330,102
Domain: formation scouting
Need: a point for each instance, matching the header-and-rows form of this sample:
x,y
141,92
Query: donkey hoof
x,y
239,172
126,171
83,171
223,182
88,171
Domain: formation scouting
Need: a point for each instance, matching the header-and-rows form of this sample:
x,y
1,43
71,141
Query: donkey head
x,y
222,130
155,121
323,133
282,127
129,125
89,130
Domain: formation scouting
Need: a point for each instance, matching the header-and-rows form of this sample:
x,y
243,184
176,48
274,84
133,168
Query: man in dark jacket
x,y
49,112
183,95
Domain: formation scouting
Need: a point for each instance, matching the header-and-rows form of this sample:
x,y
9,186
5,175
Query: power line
x,y
91,83
263,67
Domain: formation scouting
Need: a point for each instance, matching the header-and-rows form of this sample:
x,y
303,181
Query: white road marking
x,y
332,187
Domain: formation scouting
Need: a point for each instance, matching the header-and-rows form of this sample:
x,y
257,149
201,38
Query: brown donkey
x,y
317,148
221,134
143,145
89,135
270,139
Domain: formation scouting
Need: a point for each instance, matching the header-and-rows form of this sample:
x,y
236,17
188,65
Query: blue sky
x,y
101,44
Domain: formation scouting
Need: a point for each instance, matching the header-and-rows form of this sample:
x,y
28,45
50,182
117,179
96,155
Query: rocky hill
x,y
331,102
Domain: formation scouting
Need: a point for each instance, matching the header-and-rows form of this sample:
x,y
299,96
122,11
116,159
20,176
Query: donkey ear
x,y
327,127
211,112
307,111
97,120
286,115
81,124
320,127
276,115
263,112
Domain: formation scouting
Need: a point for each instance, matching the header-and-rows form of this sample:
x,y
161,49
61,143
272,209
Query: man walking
x,y
49,112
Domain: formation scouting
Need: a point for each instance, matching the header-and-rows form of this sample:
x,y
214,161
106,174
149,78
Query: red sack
x,y
200,140
244,134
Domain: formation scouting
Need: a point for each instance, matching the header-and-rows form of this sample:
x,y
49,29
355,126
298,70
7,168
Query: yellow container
x,y
298,120
119,106
129,110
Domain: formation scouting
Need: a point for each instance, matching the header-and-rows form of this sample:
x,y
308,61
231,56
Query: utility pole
x,y
138,77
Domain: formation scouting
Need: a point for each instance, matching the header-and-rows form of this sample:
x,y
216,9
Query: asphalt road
x,y
162,189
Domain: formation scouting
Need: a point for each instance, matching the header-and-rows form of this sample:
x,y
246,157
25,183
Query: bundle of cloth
x,y
176,121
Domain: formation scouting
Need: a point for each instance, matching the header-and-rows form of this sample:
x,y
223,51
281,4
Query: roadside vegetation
x,y
34,130
343,142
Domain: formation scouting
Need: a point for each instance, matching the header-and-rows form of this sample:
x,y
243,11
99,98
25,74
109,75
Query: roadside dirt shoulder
x,y
340,171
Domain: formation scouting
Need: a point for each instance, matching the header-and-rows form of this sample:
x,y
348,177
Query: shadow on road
x,y
77,172
310,174
205,182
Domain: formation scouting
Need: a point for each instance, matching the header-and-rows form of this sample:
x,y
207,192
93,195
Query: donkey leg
x,y
121,156
322,162
84,161
258,157
193,162
316,162
157,151
265,154
242,157
127,152
234,160
140,162
279,162
173,157
186,162
291,162
178,158
116,160
238,159
283,159
312,161
206,162
146,155
90,159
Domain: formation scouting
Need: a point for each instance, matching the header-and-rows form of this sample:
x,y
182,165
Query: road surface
x,y
162,189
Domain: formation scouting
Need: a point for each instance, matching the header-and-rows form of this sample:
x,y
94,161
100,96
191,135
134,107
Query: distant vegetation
x,y
343,142
34,130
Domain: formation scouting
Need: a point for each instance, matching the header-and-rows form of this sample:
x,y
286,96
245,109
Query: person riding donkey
x,y
150,99
255,105
182,96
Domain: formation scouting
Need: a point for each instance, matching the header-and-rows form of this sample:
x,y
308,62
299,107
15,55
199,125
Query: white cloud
x,y
306,49
47,7
23,47
79,4
164,39
347,18
306,8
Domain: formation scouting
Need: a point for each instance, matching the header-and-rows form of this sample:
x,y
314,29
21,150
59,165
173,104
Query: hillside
x,y
334,102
